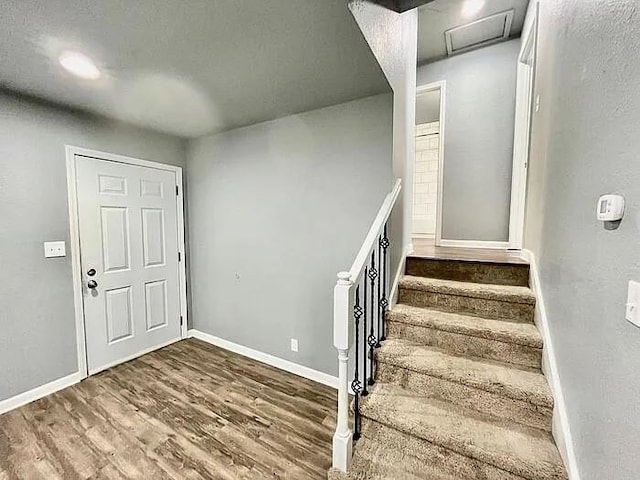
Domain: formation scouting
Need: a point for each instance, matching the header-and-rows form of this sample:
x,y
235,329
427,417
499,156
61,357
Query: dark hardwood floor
x,y
187,411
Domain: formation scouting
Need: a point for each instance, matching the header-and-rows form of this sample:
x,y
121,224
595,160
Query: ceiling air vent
x,y
480,33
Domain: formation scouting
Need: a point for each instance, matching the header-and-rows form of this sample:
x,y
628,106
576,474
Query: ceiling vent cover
x,y
480,33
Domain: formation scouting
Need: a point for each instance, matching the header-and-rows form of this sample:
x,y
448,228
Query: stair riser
x,y
375,461
460,344
448,461
464,271
370,472
428,432
481,307
486,402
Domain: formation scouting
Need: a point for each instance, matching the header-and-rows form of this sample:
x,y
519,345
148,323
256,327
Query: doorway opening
x,y
428,165
522,131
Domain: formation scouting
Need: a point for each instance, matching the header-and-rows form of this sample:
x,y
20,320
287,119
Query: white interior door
x,y
128,228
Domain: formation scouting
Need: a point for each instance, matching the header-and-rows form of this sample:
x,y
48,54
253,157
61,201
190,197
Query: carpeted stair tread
x,y
511,332
505,293
373,460
487,375
526,452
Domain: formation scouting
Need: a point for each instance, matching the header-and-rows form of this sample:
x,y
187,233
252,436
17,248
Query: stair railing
x,y
360,301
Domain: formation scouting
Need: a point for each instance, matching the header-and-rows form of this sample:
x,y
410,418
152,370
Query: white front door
x,y
129,255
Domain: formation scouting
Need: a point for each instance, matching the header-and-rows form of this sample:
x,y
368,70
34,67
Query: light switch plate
x,y
55,249
633,303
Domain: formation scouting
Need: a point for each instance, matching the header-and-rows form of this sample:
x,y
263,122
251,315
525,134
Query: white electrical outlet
x,y
633,303
54,249
294,344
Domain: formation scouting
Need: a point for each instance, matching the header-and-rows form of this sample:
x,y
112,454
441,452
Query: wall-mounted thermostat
x,y
610,208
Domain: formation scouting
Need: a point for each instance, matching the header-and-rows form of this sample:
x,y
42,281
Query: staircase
x,y
459,393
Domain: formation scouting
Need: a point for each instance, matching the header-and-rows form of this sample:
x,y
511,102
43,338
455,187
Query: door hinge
x,y
177,190
181,320
179,257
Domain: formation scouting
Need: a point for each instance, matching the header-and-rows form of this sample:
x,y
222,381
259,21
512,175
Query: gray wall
x,y
478,140
585,142
393,39
276,210
428,107
37,342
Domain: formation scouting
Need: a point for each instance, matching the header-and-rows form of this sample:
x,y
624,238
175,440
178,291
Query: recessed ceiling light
x,y
79,65
471,7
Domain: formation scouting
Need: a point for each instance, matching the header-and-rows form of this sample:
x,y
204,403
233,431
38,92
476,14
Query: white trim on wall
x,y
71,153
76,268
393,292
38,392
522,130
474,244
425,236
560,426
442,86
286,365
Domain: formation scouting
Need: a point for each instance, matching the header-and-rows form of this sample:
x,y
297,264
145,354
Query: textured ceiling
x,y
440,15
193,67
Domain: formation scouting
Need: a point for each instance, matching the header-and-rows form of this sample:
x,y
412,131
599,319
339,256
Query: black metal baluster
x,y
381,271
384,302
365,392
356,385
371,339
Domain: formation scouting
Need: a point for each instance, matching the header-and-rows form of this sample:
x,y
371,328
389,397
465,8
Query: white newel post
x,y
342,308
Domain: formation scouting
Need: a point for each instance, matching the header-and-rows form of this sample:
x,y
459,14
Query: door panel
x,y
112,185
115,238
150,188
155,294
118,311
153,236
128,234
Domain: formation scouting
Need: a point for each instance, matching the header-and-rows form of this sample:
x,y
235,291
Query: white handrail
x,y
371,239
343,302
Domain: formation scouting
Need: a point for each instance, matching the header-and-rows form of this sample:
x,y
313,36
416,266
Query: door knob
x,y
91,272
92,284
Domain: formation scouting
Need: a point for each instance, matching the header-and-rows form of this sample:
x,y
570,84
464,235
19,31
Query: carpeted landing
x,y
459,393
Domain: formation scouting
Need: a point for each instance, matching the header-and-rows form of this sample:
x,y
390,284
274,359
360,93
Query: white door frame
x,y
521,133
442,86
71,152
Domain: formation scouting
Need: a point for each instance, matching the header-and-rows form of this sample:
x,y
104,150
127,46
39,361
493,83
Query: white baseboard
x,y
474,244
393,293
285,365
424,236
561,429
39,392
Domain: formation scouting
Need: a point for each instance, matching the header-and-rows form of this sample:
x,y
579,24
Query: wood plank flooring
x,y
425,248
187,411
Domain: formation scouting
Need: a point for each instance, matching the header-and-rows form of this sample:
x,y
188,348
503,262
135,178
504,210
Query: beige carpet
x,y
459,393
